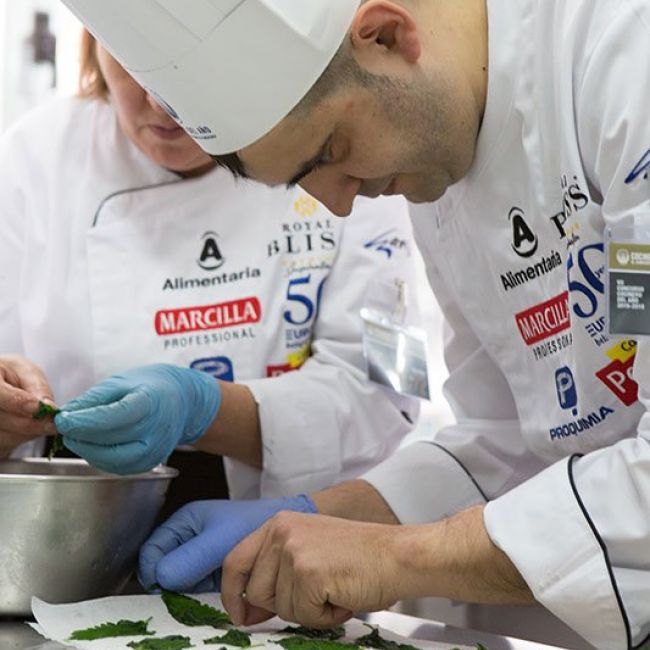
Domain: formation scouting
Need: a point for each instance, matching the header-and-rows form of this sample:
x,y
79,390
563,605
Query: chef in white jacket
x,y
123,245
520,132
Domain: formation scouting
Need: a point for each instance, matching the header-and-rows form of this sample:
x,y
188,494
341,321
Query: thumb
x,y
191,563
21,389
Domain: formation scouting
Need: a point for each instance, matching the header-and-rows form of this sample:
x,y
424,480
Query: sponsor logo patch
x,y
210,258
545,320
208,317
566,390
641,169
276,371
217,367
617,376
581,425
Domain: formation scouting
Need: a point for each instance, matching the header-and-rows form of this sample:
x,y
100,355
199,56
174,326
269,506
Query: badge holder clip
x,y
395,353
627,286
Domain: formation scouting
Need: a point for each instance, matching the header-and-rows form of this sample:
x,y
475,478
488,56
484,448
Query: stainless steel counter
x,y
19,636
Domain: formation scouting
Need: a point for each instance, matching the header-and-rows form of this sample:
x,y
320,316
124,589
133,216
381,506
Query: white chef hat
x,y
227,70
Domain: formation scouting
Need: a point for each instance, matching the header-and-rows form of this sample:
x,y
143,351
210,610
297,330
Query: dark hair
x,y
343,70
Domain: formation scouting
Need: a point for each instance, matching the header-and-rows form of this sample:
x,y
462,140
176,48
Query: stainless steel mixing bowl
x,y
69,532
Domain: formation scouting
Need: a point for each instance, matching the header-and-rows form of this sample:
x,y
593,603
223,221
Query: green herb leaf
x,y
302,643
332,633
192,612
232,637
108,630
174,642
45,410
57,445
374,640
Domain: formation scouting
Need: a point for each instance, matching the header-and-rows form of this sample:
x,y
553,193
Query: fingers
x,y
123,459
235,573
188,565
108,419
108,391
22,386
180,528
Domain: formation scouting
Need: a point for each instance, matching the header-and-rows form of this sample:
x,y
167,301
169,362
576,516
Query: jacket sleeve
x,y
588,559
326,422
480,456
12,247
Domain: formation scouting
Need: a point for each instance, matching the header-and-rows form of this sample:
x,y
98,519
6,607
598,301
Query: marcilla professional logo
x,y
218,367
211,258
543,321
208,317
566,390
524,240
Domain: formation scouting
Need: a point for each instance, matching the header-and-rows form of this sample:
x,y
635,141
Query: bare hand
x,y
22,386
312,570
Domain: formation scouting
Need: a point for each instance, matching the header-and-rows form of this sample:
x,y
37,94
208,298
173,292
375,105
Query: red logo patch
x,y
208,317
276,371
617,376
545,320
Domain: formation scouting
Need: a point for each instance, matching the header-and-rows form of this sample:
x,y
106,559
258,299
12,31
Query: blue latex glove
x,y
133,421
187,551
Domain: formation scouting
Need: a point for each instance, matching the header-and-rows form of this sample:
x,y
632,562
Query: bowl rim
x,y
156,474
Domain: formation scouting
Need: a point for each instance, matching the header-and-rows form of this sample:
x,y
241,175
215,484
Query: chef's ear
x,y
383,31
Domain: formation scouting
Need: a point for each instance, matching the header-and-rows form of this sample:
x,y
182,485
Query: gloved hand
x,y
186,552
133,421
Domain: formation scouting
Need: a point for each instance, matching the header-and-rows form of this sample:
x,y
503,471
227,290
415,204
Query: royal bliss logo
x,y
304,238
235,313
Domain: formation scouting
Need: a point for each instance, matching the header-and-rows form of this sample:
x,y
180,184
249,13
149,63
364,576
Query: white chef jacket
x,y
108,261
552,413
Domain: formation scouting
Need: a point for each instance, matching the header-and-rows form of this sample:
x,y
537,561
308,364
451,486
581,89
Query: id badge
x,y
395,354
628,280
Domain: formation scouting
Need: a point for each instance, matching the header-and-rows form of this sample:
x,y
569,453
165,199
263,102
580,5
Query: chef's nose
x,y
333,189
158,108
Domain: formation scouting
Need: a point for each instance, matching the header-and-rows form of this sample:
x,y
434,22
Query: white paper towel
x,y
58,622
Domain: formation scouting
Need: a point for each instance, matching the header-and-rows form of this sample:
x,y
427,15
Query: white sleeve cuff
x,y
423,482
542,527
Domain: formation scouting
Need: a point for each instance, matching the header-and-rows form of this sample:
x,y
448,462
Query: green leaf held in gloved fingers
x,y
192,612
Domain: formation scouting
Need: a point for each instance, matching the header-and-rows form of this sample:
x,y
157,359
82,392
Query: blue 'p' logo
x,y
566,389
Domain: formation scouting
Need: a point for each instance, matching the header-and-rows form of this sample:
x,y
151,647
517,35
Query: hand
x,y
22,386
185,553
315,571
133,421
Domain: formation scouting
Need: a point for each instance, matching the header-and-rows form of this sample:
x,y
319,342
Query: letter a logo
x,y
211,257
524,240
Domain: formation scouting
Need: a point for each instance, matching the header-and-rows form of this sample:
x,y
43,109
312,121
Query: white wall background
x,y
23,85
